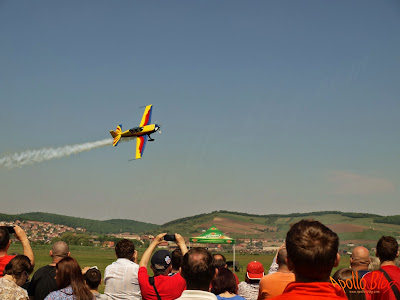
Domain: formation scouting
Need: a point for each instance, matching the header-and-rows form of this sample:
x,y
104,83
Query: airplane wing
x,y
146,119
140,144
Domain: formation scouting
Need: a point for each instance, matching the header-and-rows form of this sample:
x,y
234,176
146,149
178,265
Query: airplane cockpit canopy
x,y
136,129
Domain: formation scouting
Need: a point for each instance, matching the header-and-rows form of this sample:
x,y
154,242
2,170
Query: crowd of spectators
x,y
301,269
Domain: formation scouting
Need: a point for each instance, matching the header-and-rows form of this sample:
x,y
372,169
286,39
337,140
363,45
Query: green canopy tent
x,y
214,236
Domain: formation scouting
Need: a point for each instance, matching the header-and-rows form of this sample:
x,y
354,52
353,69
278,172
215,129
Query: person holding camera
x,y
5,242
161,286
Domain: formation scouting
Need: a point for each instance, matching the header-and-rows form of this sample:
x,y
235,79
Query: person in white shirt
x,y
121,277
198,270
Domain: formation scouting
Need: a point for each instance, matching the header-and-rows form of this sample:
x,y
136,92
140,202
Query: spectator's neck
x,y
197,288
388,263
300,278
359,267
3,252
284,269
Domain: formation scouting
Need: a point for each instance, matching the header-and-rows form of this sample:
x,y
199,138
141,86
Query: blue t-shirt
x,y
236,297
65,294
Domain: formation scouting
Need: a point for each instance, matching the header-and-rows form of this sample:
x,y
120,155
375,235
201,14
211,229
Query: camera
x,y
170,237
10,229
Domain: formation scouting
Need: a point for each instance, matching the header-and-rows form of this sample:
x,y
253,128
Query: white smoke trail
x,y
18,160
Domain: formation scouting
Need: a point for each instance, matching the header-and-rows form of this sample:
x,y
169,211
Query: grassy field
x,y
94,256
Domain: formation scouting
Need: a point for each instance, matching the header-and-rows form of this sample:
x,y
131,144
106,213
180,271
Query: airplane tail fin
x,y
116,135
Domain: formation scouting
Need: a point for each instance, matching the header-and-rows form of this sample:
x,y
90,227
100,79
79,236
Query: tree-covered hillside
x,y
95,226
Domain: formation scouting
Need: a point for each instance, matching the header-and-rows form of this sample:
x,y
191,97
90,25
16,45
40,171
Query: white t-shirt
x,y
121,280
196,295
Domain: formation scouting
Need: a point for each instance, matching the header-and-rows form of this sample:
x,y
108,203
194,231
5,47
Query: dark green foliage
x,y
86,240
93,226
388,219
188,226
273,217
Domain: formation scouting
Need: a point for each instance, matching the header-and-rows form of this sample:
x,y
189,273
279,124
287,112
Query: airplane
x,y
142,133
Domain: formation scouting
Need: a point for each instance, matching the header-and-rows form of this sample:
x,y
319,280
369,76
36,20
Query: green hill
x,y
351,227
94,226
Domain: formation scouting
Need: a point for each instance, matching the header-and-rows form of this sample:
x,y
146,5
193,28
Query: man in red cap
x,y
249,288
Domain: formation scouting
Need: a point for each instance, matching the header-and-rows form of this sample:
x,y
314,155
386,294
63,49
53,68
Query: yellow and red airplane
x,y
142,133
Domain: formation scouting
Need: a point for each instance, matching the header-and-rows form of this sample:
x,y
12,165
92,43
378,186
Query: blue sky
x,y
266,106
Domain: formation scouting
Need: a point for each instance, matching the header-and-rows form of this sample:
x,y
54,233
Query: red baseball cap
x,y
255,270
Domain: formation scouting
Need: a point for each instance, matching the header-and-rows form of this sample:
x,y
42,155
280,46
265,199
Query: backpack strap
x,y
151,281
394,287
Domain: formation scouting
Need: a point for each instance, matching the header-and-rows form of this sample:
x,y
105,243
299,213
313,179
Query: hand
x,y
84,270
179,239
20,233
159,238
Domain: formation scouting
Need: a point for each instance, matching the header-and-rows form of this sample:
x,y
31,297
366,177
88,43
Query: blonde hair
x,y
374,264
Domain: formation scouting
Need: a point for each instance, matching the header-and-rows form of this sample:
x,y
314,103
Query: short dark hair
x,y
354,292
219,260
198,269
18,265
281,257
92,278
312,248
225,281
176,259
125,249
4,237
387,248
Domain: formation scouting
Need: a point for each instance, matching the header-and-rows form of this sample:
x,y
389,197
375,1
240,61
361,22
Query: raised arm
x,y
147,254
274,265
181,243
21,235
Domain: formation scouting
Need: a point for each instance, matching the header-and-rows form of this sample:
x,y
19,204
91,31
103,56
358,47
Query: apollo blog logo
x,y
378,283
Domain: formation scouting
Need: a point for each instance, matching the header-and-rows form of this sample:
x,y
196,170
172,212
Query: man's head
x,y
254,271
219,261
387,249
59,250
312,250
281,257
359,259
198,269
4,238
176,259
161,262
125,249
92,278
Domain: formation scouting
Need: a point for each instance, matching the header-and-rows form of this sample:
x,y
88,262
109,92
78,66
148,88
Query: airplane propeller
x,y
159,127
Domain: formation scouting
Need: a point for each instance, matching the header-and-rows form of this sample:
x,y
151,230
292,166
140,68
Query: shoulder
x,y
6,258
10,288
142,273
268,277
195,294
176,280
60,294
45,269
177,277
123,262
